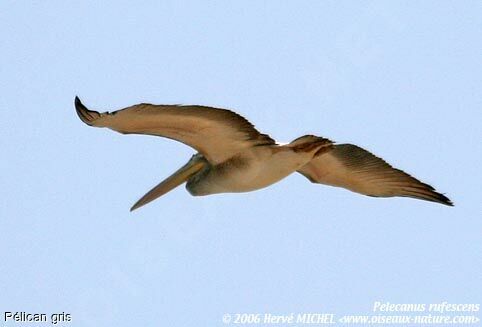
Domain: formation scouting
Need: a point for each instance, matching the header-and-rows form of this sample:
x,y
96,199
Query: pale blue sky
x,y
401,79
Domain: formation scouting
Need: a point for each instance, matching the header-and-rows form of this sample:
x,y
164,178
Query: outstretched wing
x,y
218,134
356,169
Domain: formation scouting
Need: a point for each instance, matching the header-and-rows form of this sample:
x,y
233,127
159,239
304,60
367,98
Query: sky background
x,y
401,79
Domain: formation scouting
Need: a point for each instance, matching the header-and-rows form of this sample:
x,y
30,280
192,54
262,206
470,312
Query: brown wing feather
x,y
358,170
217,133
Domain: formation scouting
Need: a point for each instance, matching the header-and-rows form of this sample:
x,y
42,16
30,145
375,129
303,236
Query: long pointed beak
x,y
194,165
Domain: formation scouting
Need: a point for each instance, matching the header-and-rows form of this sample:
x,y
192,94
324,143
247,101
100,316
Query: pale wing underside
x,y
356,169
218,134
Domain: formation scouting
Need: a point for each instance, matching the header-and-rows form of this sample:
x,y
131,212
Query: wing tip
x,y
430,195
86,115
444,200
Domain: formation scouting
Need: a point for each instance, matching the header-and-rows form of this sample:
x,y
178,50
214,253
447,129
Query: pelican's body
x,y
234,157
250,170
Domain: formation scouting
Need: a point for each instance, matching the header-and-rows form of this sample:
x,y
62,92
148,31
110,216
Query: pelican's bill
x,y
180,176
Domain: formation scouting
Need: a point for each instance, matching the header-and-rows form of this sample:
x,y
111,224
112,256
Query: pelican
x,y
232,156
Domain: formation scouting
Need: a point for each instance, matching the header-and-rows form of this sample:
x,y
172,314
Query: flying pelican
x,y
234,157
